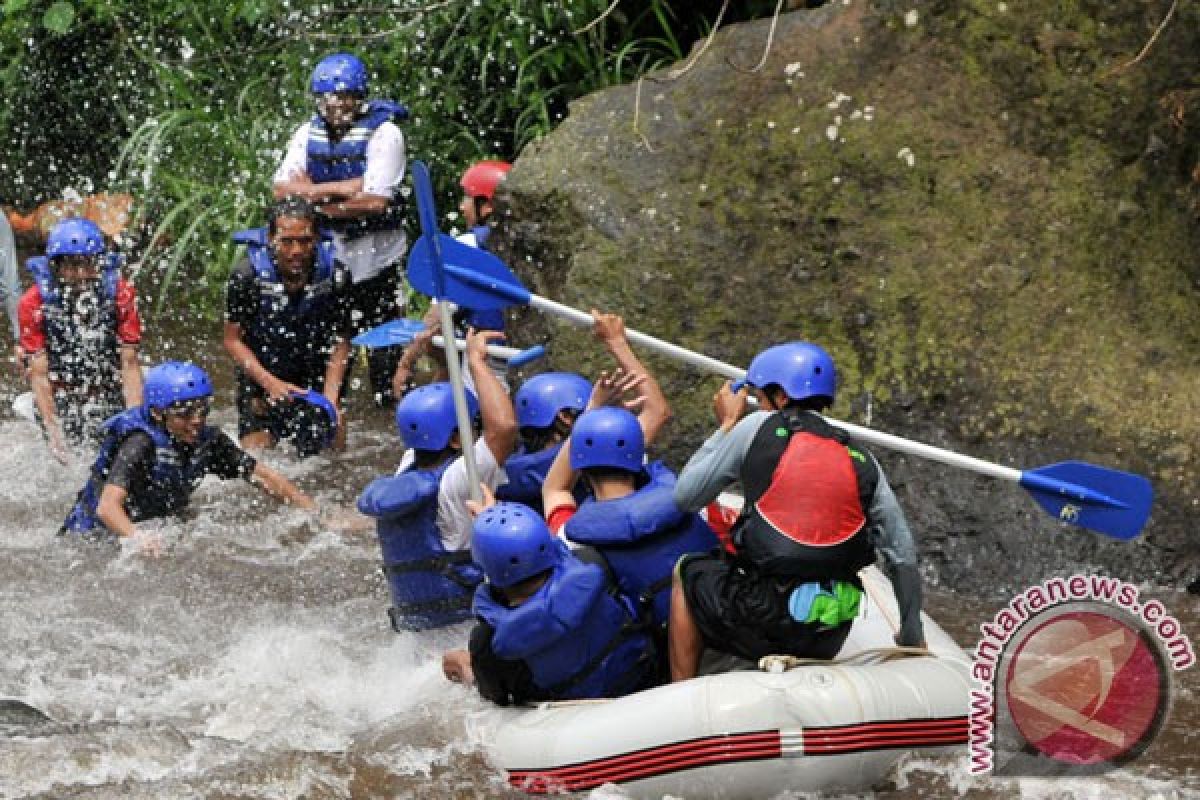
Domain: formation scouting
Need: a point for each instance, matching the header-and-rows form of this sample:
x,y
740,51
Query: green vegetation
x,y
189,105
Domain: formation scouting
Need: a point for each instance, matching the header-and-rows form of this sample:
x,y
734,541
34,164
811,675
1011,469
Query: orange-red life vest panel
x,y
813,495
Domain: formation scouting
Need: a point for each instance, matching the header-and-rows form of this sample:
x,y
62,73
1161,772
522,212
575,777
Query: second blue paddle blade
x,y
390,334
1104,500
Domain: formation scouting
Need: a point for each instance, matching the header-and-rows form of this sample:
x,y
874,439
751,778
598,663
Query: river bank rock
x,y
941,197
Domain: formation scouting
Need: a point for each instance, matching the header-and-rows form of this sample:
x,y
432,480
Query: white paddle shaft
x,y
494,350
703,362
461,413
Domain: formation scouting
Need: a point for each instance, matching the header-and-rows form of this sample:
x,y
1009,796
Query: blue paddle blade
x,y
427,213
1107,501
389,334
474,278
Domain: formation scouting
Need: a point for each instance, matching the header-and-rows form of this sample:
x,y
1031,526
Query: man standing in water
x,y
287,333
80,330
348,160
155,455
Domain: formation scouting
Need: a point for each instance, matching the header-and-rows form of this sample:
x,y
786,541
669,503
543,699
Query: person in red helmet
x,y
479,184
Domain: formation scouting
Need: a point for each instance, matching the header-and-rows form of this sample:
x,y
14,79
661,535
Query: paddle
x,y
403,331
1103,500
437,289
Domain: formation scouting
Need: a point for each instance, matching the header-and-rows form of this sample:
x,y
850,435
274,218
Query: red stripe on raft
x,y
651,761
733,748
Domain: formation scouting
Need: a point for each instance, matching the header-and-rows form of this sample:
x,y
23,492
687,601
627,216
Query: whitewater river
x,y
255,660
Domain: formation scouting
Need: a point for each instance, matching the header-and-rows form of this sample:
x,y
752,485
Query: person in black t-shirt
x,y
153,457
287,330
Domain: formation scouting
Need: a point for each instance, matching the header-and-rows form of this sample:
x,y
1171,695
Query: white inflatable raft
x,y
750,734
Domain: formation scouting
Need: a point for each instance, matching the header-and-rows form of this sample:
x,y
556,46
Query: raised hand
x,y
615,388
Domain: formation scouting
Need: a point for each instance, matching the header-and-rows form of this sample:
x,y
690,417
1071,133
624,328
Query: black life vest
x,y
81,342
289,334
806,487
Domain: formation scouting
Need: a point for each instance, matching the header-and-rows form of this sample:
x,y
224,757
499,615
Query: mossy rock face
x,y
990,229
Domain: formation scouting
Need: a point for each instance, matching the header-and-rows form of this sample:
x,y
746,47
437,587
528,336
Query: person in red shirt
x,y
80,330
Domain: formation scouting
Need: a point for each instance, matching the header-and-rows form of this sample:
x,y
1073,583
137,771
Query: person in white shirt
x,y
348,161
422,519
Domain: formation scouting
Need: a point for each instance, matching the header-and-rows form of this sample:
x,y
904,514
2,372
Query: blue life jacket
x,y
172,480
642,536
289,338
578,634
431,586
481,234
526,474
341,159
80,352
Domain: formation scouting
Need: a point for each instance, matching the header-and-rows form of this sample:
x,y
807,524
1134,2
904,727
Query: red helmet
x,y
482,178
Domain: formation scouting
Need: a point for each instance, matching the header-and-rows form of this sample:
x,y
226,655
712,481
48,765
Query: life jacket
x,y
331,159
578,634
175,475
806,487
526,473
431,586
642,536
481,234
288,337
83,353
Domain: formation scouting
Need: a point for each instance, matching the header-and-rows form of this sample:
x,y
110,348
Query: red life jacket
x,y
807,488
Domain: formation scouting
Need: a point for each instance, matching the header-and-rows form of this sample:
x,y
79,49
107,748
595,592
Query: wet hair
x,y
818,402
293,207
600,473
537,439
522,590
428,459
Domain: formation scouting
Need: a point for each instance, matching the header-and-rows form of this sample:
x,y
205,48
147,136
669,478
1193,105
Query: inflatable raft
x,y
753,733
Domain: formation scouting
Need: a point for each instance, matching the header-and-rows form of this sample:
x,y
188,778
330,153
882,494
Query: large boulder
x,y
987,225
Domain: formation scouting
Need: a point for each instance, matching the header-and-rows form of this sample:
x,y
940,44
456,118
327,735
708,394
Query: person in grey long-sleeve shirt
x,y
818,508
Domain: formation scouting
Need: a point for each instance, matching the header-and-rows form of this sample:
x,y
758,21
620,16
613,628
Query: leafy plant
x,y
189,106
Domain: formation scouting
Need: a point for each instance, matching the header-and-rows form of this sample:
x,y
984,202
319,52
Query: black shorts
x,y
374,302
743,613
301,423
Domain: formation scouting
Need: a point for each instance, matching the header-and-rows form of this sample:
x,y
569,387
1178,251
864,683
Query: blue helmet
x,y
540,398
801,369
607,437
75,237
425,417
340,72
327,424
512,543
175,382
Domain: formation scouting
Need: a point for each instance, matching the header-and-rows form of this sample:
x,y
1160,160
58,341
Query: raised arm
x,y
655,411
495,406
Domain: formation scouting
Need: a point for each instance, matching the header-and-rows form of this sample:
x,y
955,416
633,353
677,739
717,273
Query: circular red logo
x,y
1086,685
